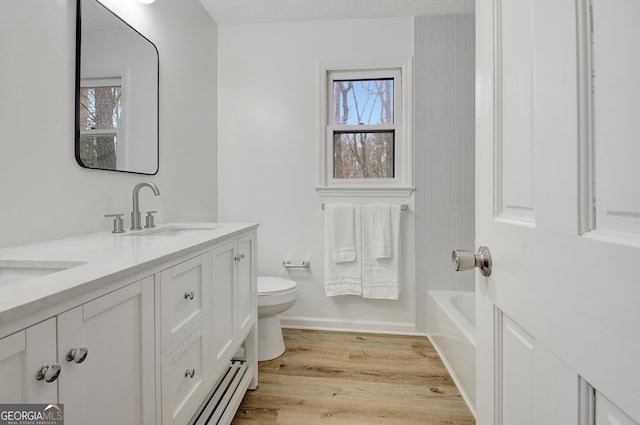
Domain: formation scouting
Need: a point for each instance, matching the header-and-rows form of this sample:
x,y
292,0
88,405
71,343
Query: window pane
x,y
363,155
100,107
99,151
363,101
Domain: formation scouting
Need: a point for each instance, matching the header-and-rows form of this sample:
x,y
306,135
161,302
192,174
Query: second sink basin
x,y
19,271
177,230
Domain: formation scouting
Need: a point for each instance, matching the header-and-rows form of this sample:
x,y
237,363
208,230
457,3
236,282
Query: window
x,y
366,137
100,121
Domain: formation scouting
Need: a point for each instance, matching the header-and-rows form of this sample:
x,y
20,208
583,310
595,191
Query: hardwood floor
x,y
353,378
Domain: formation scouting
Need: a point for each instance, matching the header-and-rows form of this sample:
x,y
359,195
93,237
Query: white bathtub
x,y
451,329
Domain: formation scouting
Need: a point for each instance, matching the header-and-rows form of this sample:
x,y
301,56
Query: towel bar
x,y
304,265
403,207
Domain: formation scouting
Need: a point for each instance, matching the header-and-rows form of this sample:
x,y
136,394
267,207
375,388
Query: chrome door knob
x,y
48,373
190,373
78,355
467,260
189,295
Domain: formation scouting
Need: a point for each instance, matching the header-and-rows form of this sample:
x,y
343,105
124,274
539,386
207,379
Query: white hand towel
x,y
339,228
380,276
381,231
344,277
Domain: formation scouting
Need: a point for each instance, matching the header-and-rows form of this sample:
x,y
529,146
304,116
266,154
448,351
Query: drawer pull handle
x,y
190,373
77,355
48,373
189,295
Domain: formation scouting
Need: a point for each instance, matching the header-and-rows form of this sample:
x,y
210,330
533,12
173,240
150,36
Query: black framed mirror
x,y
117,80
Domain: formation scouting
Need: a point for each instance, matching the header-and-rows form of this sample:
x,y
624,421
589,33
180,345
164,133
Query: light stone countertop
x,y
103,257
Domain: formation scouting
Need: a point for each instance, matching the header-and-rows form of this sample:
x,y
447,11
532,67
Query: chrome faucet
x,y
135,214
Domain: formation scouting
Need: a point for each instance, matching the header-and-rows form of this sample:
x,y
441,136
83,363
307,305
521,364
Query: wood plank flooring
x,y
353,378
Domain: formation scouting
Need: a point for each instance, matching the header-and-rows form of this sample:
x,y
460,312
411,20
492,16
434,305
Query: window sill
x,y
386,192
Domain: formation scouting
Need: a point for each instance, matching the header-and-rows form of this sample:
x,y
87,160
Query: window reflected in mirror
x,y
100,122
116,94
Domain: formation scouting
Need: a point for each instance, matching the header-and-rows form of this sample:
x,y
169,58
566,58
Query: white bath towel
x,y
339,228
381,230
380,276
344,277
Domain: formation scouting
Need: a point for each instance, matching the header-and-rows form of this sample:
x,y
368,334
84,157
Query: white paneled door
x,y
558,205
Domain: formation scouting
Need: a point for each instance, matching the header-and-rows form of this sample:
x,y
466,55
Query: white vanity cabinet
x,y
194,364
146,340
105,352
186,360
186,376
246,286
114,383
185,297
22,355
234,302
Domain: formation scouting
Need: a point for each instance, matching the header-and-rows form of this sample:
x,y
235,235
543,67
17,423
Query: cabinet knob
x,y
239,257
77,355
48,373
189,295
190,373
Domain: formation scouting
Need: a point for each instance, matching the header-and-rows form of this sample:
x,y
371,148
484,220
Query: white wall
x,y
444,149
268,97
44,194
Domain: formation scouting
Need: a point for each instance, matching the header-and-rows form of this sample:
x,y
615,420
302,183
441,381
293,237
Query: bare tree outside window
x,y
100,122
364,152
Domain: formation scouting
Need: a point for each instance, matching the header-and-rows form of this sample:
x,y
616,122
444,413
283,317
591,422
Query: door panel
x,y
534,386
517,374
514,173
608,414
575,294
616,74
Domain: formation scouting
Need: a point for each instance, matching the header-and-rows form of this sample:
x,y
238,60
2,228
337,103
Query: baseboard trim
x,y
365,326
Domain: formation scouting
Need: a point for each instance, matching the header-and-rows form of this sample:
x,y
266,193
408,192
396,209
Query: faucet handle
x,y
149,220
118,222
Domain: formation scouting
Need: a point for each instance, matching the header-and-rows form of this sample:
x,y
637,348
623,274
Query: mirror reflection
x,y
116,94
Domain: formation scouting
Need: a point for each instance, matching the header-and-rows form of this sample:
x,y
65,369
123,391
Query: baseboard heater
x,y
223,401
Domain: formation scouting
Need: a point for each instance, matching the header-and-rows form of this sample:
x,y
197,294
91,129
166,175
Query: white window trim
x,y
402,183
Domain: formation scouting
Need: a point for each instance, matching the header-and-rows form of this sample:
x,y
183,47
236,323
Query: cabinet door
x,y
115,383
186,376
185,296
223,299
21,356
246,295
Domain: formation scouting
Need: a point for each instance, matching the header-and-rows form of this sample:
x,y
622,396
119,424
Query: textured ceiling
x,y
256,11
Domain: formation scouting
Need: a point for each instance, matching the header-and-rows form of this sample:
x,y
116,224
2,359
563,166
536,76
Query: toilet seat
x,y
271,285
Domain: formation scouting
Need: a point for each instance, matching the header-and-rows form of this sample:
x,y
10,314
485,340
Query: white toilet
x,y
275,295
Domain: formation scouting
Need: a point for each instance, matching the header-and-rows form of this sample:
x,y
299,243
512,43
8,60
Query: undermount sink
x,y
19,271
179,230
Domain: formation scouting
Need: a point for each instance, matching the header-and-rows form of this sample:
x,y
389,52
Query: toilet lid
x,y
271,284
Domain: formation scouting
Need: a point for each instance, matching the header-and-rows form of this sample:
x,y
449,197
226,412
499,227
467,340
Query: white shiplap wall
x,y
444,149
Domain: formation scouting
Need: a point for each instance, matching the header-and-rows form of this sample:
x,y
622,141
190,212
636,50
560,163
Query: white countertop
x,y
105,258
